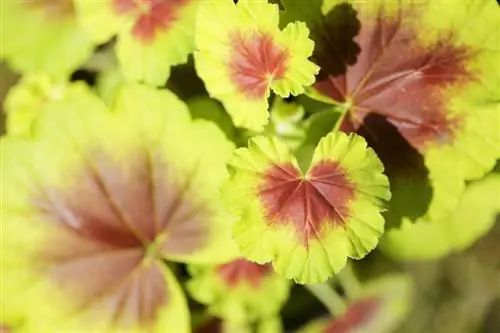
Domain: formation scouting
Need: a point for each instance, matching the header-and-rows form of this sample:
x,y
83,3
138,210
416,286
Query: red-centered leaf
x,y
307,202
110,226
307,222
399,79
357,315
152,16
241,271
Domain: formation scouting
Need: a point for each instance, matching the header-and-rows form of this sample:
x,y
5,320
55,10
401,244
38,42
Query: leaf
x,y
286,122
4,329
26,100
43,37
307,224
382,305
239,291
422,90
473,217
101,198
332,33
146,31
242,55
206,108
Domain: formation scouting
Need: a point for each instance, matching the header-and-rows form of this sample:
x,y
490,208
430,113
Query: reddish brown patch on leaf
x,y
243,271
358,314
255,60
322,197
4,329
125,6
109,227
152,16
54,9
398,78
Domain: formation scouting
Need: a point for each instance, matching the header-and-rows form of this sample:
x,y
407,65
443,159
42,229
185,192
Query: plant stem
x,y
349,281
344,110
101,61
329,297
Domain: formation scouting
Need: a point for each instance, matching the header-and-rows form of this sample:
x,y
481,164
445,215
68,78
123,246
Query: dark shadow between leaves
x,y
405,167
335,47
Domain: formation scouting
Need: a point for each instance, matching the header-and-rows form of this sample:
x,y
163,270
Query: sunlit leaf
x,y
239,291
242,55
42,36
95,201
206,108
30,96
307,223
153,35
474,216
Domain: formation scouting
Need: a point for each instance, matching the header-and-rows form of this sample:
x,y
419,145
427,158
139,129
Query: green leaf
x,y
239,291
209,109
43,37
475,214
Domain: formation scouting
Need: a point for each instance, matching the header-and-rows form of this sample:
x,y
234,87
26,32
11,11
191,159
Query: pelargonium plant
x,y
188,165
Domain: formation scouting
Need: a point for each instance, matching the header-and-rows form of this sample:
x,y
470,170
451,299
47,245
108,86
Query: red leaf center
x,y
109,227
241,271
397,77
153,16
309,203
256,59
356,316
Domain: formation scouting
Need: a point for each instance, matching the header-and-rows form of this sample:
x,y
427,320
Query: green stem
x,y
349,281
329,297
344,110
101,61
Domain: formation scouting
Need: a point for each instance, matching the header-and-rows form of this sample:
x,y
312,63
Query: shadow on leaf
x,y
405,167
334,37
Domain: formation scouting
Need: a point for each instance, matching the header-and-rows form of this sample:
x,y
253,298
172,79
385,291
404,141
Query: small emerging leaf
x,y
239,291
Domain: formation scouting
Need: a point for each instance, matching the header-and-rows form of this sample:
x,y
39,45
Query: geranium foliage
x,y
194,165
